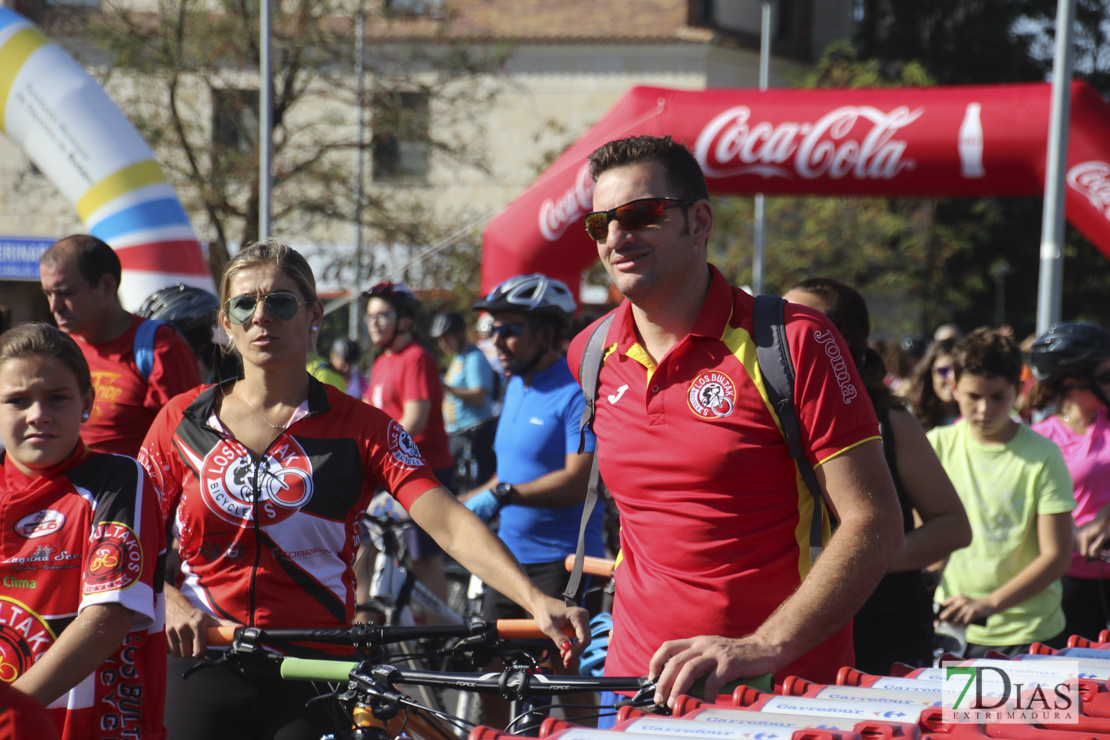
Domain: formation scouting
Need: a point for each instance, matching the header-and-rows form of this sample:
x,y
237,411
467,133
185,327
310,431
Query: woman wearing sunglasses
x,y
263,479
930,389
1071,363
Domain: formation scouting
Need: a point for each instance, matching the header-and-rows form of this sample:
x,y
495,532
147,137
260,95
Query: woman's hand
x,y
1094,537
186,625
567,626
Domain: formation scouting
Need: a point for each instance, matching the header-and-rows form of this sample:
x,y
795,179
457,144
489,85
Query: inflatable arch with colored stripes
x,y
73,132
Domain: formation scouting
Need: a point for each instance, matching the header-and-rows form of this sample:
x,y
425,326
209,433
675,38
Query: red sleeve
x,y
421,377
393,458
834,410
22,717
161,462
125,545
175,368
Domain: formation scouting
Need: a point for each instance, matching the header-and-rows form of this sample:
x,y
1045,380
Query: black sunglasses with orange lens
x,y
635,215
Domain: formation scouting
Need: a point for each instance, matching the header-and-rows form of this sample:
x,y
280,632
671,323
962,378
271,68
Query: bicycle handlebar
x,y
303,669
506,629
592,566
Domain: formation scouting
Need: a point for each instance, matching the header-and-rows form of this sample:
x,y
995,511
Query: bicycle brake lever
x,y
644,698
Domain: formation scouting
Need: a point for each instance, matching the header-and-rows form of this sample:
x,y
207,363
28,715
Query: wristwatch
x,y
502,492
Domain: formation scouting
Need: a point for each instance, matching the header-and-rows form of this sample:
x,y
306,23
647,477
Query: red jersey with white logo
x,y
714,517
125,403
85,532
270,541
412,375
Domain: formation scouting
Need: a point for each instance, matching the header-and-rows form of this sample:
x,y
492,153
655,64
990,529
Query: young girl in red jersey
x,y
81,551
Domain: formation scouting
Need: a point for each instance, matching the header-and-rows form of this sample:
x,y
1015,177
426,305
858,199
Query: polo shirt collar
x,y
710,322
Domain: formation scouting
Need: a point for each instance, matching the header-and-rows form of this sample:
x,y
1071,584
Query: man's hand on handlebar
x,y
678,663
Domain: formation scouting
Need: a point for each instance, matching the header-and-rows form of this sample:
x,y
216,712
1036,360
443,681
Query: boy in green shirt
x,y
1017,492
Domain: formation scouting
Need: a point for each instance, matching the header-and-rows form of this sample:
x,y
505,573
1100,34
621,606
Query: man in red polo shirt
x,y
80,276
714,517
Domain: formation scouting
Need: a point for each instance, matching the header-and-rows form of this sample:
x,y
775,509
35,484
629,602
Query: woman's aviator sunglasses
x,y
635,215
282,305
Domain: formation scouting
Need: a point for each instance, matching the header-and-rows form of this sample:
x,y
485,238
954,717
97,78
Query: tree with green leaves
x,y
186,73
994,42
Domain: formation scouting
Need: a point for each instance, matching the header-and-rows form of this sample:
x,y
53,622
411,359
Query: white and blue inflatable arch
x,y
73,132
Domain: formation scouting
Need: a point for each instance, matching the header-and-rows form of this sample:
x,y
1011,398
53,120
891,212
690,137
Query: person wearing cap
x,y
405,383
539,488
468,387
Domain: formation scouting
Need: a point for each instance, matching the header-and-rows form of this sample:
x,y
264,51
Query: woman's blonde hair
x,y
272,253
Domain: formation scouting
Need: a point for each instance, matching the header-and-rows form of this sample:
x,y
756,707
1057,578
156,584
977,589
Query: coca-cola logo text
x,y
556,214
732,145
1092,180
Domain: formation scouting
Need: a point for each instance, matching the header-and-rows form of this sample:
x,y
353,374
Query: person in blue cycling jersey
x,y
540,484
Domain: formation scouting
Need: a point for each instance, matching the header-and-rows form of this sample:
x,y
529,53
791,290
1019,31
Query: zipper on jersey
x,y
257,491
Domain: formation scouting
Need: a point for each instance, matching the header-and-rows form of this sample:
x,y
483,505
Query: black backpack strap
x,y
589,370
773,355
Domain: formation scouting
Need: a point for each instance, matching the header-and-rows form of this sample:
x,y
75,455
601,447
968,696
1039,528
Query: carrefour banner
x,y
73,132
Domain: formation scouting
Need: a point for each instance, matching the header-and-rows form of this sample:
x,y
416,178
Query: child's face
x,y
986,403
41,407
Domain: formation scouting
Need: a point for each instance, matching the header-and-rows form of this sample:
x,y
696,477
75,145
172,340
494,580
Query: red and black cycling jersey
x,y
270,540
86,532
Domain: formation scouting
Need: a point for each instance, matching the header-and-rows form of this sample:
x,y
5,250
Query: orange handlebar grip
x,y
220,635
526,629
592,566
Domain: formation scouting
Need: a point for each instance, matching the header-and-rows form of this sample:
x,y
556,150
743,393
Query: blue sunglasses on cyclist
x,y
282,304
508,331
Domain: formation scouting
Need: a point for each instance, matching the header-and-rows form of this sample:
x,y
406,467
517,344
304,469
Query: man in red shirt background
x,y
80,276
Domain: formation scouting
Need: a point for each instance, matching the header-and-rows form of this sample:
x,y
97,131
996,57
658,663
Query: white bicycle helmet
x,y
535,294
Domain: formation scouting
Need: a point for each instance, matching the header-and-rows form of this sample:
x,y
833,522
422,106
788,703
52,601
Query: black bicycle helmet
x,y
447,323
348,349
535,294
397,295
1070,348
186,307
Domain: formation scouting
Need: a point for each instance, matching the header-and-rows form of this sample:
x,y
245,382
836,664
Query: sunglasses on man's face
x,y
509,331
635,215
282,305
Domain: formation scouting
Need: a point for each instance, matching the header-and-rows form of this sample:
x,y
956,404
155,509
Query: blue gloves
x,y
485,505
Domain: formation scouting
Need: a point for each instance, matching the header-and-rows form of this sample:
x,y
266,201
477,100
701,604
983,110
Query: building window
x,y
400,140
432,8
234,121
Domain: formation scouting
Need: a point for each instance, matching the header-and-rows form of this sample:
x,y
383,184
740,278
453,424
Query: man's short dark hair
x,y
990,354
682,172
94,258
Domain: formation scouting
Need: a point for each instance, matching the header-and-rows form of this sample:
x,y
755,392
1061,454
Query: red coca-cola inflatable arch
x,y
944,141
